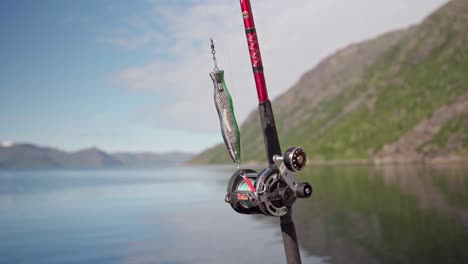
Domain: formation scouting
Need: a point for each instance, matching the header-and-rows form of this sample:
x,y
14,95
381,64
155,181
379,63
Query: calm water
x,y
177,215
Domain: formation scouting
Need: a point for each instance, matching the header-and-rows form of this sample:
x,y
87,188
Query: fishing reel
x,y
272,191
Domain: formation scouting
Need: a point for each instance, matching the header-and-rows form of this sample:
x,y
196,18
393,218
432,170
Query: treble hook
x,y
213,51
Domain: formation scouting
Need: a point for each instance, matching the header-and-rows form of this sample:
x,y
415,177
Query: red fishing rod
x,y
274,190
270,134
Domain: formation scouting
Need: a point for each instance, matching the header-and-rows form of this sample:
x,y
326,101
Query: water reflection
x,y
386,214
178,215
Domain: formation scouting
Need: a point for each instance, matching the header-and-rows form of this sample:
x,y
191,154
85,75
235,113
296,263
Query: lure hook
x,y
213,51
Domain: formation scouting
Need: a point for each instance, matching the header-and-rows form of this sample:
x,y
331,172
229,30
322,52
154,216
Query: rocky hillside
x,y
400,97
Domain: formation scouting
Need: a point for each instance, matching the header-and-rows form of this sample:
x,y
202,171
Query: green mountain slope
x,y
360,101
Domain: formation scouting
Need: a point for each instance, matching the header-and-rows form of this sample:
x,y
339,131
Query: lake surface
x,y
357,214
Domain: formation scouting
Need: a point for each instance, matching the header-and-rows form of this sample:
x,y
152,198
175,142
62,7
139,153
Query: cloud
x,y
293,37
130,42
136,33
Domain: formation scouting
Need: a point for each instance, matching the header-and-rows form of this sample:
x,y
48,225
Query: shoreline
x,y
439,161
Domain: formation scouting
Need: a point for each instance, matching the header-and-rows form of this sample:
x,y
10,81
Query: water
x,y
357,214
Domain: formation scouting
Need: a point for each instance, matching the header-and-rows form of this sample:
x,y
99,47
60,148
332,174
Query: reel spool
x,y
240,197
276,188
266,200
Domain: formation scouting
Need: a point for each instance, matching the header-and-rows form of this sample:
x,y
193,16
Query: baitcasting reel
x,y
276,189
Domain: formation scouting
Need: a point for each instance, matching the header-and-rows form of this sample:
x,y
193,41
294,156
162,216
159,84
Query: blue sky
x,y
133,75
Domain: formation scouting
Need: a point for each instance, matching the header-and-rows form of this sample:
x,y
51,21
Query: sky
x,y
133,75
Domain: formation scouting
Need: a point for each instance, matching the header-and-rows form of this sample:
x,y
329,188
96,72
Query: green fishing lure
x,y
227,119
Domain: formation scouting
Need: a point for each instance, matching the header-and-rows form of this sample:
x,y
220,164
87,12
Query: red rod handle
x,y
254,50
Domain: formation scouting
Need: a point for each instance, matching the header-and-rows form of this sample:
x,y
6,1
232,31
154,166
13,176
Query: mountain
x,y
400,97
91,158
29,156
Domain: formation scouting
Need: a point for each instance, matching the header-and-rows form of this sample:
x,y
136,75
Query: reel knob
x,y
295,159
304,190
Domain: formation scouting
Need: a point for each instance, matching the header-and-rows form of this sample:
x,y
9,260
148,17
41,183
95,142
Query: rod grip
x,y
291,247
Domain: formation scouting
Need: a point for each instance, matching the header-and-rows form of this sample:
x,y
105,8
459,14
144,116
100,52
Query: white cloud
x,y
132,42
136,33
293,35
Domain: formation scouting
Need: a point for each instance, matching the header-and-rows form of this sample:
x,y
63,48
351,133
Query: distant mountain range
x,y
401,97
29,156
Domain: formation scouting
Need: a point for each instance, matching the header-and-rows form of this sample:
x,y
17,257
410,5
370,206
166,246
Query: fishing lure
x,y
225,108
227,118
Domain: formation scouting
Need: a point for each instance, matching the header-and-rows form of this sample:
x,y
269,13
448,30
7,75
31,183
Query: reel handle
x,y
295,159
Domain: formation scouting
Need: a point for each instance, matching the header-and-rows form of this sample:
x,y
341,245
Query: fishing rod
x,y
274,190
